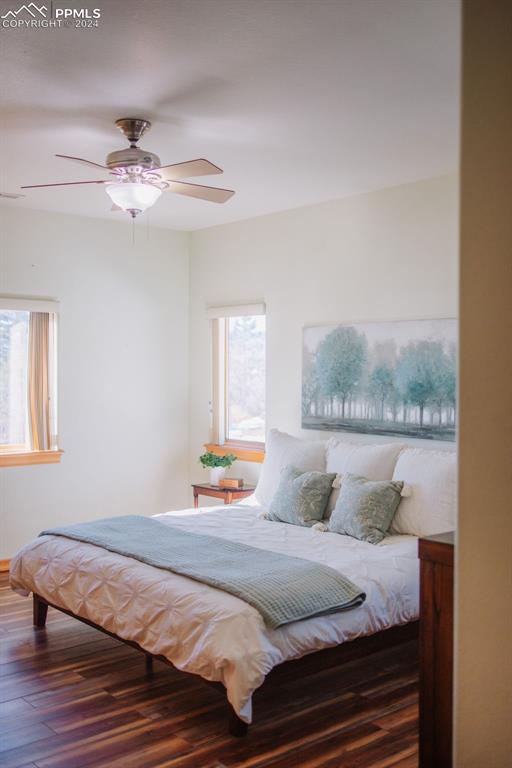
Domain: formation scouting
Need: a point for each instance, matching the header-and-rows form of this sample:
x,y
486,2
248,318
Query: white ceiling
x,y
299,101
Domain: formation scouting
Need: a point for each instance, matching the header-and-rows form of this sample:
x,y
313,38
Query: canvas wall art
x,y
390,378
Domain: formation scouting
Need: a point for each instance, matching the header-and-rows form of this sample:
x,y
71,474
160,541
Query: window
x,y
28,419
238,391
245,378
13,378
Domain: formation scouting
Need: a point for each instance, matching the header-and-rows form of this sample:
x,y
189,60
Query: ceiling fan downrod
x,y
133,128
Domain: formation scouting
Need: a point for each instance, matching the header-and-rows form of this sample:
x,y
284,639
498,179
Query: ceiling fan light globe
x,y
133,195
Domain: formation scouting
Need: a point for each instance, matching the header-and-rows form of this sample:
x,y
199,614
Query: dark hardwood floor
x,y
72,697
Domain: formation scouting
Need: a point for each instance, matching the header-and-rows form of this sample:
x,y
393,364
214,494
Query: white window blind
x,y
236,310
24,304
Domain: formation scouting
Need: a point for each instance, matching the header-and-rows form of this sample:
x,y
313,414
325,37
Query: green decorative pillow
x,y
365,508
301,497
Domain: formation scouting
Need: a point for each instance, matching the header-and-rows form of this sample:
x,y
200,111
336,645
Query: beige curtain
x,y
39,357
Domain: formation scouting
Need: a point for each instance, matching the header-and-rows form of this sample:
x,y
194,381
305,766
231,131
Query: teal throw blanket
x,y
282,588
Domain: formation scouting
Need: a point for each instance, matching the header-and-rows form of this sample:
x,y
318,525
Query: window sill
x,y
24,458
244,451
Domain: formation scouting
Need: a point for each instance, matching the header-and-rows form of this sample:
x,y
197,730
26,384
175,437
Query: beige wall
x,y
384,255
123,369
389,254
483,686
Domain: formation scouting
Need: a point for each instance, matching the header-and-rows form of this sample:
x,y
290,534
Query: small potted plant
x,y
217,465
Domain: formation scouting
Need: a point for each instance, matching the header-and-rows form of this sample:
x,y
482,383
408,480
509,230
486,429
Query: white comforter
x,y
209,632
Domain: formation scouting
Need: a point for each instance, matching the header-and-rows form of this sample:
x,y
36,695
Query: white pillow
x,y
375,462
432,504
280,450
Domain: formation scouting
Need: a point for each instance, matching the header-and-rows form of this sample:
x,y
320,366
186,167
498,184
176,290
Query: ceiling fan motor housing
x,y
133,160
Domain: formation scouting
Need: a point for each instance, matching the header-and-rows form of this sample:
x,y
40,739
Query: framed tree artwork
x,y
390,378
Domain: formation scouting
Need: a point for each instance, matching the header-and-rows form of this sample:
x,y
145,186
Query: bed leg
x,y
40,611
149,664
237,727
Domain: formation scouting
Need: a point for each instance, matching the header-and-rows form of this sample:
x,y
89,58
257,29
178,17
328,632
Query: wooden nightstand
x,y
227,495
436,649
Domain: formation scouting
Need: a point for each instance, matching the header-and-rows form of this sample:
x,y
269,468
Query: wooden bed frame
x,y
316,661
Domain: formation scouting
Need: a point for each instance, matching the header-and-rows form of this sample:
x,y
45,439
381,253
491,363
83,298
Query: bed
x,y
208,632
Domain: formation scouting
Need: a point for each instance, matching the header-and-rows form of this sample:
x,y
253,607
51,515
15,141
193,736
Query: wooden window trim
x,y
243,450
25,458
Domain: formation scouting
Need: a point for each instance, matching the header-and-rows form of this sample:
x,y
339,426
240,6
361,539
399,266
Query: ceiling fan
x,y
139,178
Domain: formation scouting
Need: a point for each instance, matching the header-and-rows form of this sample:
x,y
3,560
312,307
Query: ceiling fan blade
x,y
81,160
64,184
213,194
179,171
10,195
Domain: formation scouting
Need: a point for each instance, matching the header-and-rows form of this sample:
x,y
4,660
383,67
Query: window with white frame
x,y
238,381
28,360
